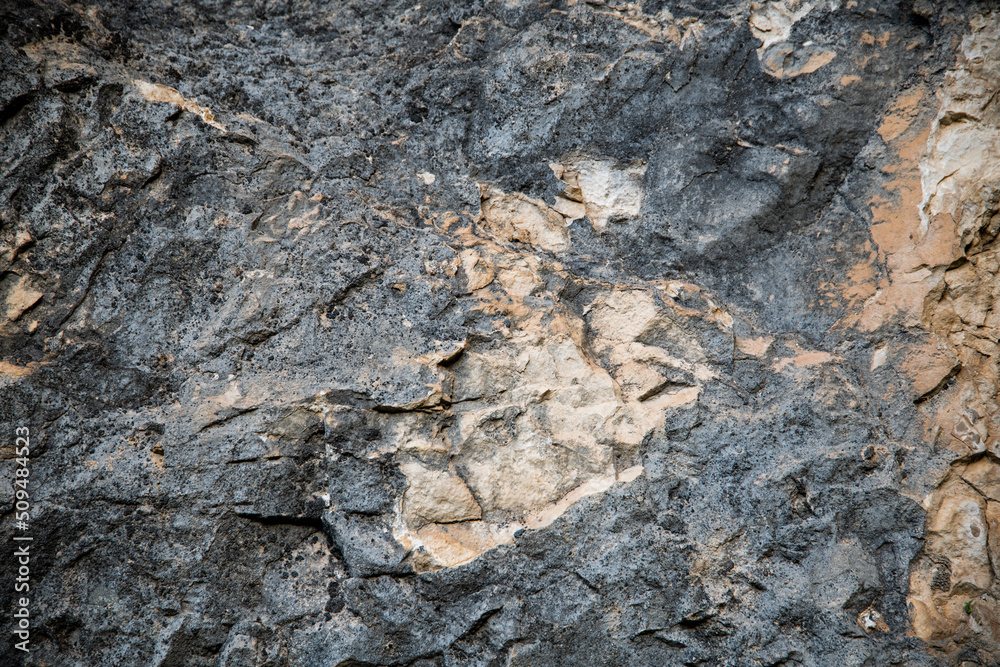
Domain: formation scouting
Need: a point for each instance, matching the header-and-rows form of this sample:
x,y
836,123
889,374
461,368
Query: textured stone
x,y
437,496
503,333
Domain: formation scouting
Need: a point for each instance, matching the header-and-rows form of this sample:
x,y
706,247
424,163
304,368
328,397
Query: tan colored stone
x,y
871,620
624,315
929,623
599,188
437,496
478,271
942,276
565,403
958,530
771,21
640,382
928,367
776,61
984,476
455,544
804,359
570,209
538,418
756,347
955,565
21,297
515,217
961,151
993,526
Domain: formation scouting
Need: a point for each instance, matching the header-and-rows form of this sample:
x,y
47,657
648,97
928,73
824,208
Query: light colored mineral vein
x,y
155,92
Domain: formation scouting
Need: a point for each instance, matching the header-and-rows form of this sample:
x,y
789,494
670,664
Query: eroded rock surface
x,y
503,333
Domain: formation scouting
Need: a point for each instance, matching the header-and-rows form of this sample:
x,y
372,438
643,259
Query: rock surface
x,y
504,332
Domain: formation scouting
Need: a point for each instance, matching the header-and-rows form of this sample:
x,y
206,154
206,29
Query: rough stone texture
x,y
507,332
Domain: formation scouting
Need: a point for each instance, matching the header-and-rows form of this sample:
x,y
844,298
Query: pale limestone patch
x,y
11,373
452,544
516,217
518,280
756,347
21,297
562,434
538,420
871,620
478,270
438,496
962,149
599,188
984,476
785,63
155,92
640,381
928,367
625,315
660,26
804,358
878,357
546,516
771,22
448,545
958,529
8,369
942,276
10,251
630,328
961,553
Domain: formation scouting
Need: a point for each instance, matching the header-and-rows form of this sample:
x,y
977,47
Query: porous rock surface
x,y
503,332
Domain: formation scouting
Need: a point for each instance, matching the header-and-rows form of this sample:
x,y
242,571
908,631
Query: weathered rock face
x,y
503,333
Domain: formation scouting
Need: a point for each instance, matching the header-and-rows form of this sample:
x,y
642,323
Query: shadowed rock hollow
x,y
509,332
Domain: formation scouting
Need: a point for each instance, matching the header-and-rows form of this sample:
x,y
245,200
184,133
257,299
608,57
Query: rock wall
x,y
506,332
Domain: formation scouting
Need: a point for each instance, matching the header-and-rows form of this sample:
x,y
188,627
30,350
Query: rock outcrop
x,y
503,333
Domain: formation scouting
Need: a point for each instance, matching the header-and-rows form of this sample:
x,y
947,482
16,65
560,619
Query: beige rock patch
x,y
959,560
553,410
21,297
804,358
756,347
515,217
599,189
478,271
942,270
785,63
771,22
437,496
963,145
661,26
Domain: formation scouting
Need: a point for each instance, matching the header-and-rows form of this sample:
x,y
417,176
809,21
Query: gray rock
x,y
694,301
